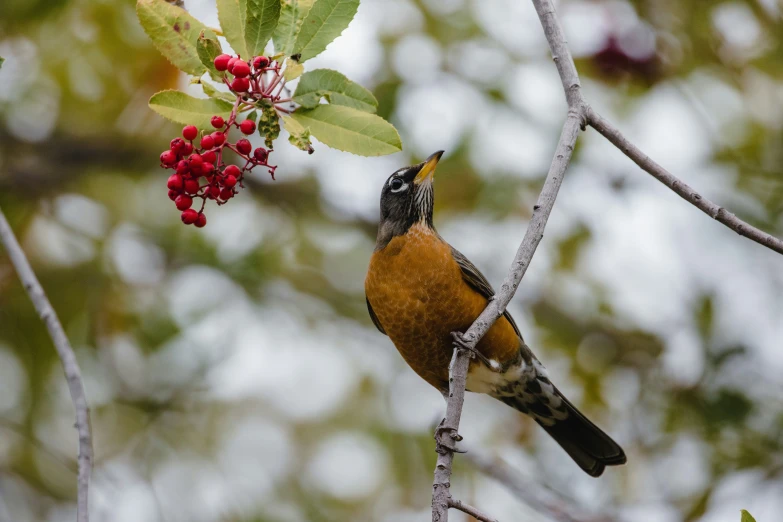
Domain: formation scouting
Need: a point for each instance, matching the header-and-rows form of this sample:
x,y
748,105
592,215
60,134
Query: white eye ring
x,y
398,189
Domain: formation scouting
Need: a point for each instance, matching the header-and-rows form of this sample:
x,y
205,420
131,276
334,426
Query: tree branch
x,y
687,193
67,357
470,510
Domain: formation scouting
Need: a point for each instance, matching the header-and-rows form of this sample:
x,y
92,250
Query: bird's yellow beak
x,y
428,169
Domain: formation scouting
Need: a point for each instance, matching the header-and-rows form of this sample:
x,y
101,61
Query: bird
x,y
423,294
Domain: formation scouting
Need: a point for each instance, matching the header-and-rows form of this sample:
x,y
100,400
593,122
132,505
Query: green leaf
x,y
187,110
746,517
326,20
268,123
208,48
292,14
211,91
293,70
299,135
1,62
336,88
174,33
350,130
248,24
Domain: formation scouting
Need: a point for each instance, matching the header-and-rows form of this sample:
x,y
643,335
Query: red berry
x,y
229,182
191,186
201,220
221,62
260,154
240,85
209,156
226,194
244,146
232,170
183,167
190,132
168,158
196,160
207,169
173,194
183,202
187,149
189,216
247,127
219,137
231,62
259,62
241,69
207,142
213,192
217,122
176,145
174,182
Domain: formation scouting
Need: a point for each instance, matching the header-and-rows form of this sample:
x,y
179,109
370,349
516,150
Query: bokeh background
x,y
233,372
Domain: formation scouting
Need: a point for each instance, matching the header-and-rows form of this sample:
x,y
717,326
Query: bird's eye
x,y
397,185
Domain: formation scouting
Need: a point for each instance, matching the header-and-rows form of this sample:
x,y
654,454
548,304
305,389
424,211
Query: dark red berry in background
x,y
183,167
226,194
240,85
221,62
177,144
213,192
190,132
229,182
168,158
183,202
207,142
219,138
217,122
201,220
189,216
259,62
173,194
209,156
240,70
244,146
260,154
191,186
196,160
232,170
174,182
247,127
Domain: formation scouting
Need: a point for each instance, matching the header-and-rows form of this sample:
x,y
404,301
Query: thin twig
x,y
67,357
687,193
470,510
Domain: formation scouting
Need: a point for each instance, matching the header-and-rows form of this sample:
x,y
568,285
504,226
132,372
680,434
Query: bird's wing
x,y
477,281
374,318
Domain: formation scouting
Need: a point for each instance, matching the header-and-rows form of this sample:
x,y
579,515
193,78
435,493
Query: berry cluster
x,y
200,170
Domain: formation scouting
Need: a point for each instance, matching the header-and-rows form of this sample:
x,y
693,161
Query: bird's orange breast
x,y
417,292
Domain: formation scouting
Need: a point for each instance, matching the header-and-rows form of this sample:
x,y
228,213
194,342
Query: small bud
x,y
190,132
189,216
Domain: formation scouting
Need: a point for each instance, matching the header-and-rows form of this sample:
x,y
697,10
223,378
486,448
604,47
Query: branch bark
x,y
67,357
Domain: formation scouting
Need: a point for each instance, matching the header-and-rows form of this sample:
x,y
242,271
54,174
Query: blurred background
x,y
233,372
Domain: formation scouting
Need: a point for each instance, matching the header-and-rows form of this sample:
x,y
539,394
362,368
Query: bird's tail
x,y
586,443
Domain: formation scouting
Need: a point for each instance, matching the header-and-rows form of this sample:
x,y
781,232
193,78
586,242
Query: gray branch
x,y
470,510
72,372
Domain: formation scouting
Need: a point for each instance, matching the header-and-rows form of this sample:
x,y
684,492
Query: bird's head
x,y
407,199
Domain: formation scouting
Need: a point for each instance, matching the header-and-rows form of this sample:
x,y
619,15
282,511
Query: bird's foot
x,y
442,442
460,342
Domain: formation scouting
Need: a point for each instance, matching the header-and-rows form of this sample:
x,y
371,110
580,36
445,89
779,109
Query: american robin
x,y
423,293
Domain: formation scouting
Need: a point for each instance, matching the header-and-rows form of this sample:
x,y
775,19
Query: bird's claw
x,y
443,445
460,342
